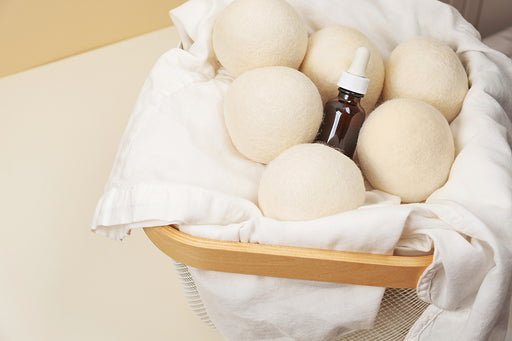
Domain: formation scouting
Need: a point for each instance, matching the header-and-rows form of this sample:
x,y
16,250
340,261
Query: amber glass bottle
x,y
344,115
343,118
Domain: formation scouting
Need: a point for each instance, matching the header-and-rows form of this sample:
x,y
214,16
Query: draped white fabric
x,y
176,164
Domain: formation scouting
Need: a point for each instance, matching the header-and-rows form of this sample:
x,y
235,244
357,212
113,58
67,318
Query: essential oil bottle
x,y
344,115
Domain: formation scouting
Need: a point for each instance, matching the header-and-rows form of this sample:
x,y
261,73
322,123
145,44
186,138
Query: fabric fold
x,y
176,164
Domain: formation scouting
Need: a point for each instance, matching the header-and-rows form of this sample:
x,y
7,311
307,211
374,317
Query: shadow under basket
x,y
400,306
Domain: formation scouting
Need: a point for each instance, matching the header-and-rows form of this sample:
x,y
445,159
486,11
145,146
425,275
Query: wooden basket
x,y
289,262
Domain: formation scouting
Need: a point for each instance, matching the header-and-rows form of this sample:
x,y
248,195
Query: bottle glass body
x,y
343,118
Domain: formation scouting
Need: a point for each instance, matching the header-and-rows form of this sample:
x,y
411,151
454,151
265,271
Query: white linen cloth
x,y
177,165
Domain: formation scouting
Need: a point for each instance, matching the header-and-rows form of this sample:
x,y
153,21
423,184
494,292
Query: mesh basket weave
x,y
399,309
191,294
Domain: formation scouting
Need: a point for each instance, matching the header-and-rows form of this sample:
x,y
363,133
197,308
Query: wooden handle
x,y
289,262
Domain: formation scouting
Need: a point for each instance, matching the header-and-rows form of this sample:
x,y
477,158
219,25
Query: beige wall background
x,y
488,16
35,32
495,15
60,127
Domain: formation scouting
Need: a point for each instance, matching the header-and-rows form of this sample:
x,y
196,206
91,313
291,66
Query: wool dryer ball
x,y
331,51
310,181
428,70
250,34
270,109
406,148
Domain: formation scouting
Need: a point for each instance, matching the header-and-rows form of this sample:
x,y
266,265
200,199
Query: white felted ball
x,y
310,181
331,51
428,70
406,148
250,34
270,109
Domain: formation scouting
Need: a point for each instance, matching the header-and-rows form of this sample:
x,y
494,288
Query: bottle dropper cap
x,y
354,78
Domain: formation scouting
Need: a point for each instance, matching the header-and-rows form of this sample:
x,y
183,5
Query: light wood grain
x,y
289,262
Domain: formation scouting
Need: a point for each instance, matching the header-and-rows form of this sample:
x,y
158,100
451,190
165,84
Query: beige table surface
x,y
60,126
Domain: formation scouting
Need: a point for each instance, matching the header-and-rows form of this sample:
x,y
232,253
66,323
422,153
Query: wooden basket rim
x,y
289,262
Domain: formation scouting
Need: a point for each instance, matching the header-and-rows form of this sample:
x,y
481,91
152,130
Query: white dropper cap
x,y
354,79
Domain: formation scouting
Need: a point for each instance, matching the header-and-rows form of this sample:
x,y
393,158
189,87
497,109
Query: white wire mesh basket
x,y
399,309
400,306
